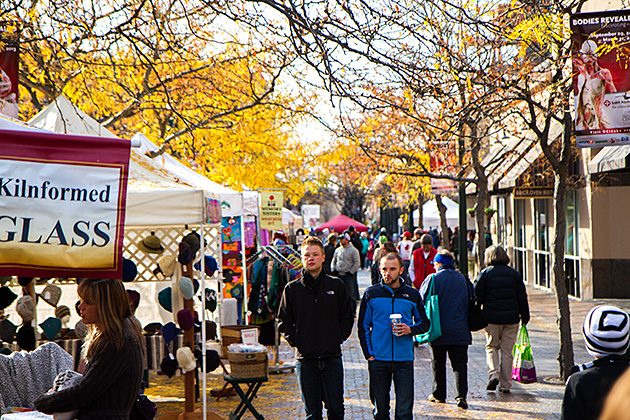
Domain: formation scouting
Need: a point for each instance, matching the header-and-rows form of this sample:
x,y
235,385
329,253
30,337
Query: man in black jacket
x,y
316,316
606,335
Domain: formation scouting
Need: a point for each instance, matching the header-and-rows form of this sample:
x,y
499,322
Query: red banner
x,y
62,204
9,65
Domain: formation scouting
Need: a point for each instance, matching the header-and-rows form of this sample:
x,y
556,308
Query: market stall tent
x,y
341,223
431,214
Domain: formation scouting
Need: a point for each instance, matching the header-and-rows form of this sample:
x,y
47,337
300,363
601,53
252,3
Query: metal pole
x,y
463,231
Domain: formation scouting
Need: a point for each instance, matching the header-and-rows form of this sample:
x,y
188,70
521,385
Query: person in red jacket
x,y
422,261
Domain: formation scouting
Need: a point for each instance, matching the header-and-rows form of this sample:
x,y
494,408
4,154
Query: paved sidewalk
x,y
279,398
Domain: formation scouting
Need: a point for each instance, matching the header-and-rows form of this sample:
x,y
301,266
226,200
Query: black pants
x,y
459,361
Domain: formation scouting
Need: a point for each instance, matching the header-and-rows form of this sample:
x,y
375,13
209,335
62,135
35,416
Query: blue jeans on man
x,y
381,375
321,381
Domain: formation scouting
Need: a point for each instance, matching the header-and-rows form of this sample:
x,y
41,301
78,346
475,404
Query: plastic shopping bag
x,y
432,308
523,369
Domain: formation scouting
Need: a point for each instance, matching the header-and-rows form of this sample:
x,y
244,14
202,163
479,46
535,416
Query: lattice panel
x,y
170,238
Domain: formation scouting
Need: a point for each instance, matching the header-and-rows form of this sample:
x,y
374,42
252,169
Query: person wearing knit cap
x,y
606,337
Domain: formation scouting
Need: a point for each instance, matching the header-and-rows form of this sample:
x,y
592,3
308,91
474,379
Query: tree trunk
x,y
443,225
420,204
565,353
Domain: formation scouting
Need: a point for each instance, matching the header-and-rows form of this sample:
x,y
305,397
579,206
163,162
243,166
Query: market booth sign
x,y
62,204
271,209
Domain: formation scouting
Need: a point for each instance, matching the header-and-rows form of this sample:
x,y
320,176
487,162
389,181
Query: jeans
x,y
381,374
500,339
459,362
321,381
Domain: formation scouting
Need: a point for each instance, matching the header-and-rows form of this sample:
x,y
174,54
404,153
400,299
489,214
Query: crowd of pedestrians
x,y
318,311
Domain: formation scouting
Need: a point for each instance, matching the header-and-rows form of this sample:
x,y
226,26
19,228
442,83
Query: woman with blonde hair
x,y
112,352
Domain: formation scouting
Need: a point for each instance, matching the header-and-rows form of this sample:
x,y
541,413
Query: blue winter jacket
x,y
375,329
452,290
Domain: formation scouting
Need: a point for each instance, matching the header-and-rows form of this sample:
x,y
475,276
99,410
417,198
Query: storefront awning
x,y
611,158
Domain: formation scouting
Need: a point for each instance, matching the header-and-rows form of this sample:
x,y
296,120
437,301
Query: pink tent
x,y
341,223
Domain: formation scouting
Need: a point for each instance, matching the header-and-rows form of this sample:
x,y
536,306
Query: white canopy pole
x,y
244,259
203,319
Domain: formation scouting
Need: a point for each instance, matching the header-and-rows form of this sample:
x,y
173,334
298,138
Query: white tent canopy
x,y
233,203
431,214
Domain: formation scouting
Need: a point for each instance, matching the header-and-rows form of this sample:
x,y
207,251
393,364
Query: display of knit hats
x,y
51,327
151,245
186,359
25,337
166,265
193,240
210,265
606,331
152,328
7,331
24,281
25,308
164,299
185,255
169,332
168,366
81,330
62,311
134,299
51,294
6,297
185,319
210,297
186,287
129,270
5,279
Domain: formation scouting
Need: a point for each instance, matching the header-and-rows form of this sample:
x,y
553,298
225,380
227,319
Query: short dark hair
x,y
418,232
496,255
391,256
426,239
389,247
312,240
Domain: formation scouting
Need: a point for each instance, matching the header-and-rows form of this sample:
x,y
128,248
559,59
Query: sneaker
x,y
492,385
504,391
435,400
461,403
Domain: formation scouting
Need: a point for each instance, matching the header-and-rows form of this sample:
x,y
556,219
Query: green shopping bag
x,y
432,308
523,369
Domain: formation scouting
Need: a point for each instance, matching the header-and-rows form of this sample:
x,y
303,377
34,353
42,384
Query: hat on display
x,y
606,331
7,331
152,328
151,245
185,319
193,239
134,299
6,297
25,308
164,299
186,287
210,265
166,265
61,311
51,294
24,281
6,351
186,359
169,332
5,279
51,327
168,366
25,337
212,359
129,270
185,255
81,330
210,297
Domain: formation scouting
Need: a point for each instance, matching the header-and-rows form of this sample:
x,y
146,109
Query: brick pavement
x,y
280,398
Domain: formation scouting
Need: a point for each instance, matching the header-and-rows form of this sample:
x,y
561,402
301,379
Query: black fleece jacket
x,y
316,315
501,292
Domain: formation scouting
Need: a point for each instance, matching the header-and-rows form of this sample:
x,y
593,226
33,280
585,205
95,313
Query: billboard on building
x,y
601,78
9,65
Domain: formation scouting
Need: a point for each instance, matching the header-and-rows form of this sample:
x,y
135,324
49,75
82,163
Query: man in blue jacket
x,y
389,349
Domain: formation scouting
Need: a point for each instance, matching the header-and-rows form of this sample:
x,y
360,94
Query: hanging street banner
x,y
601,78
310,215
9,65
62,204
271,209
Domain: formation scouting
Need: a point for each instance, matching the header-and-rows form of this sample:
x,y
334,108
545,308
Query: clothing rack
x,y
277,367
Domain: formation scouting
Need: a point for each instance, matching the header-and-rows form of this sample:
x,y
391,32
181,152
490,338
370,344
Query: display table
x,y
246,397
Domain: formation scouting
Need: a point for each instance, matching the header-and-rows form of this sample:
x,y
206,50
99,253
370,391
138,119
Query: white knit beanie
x,y
606,331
